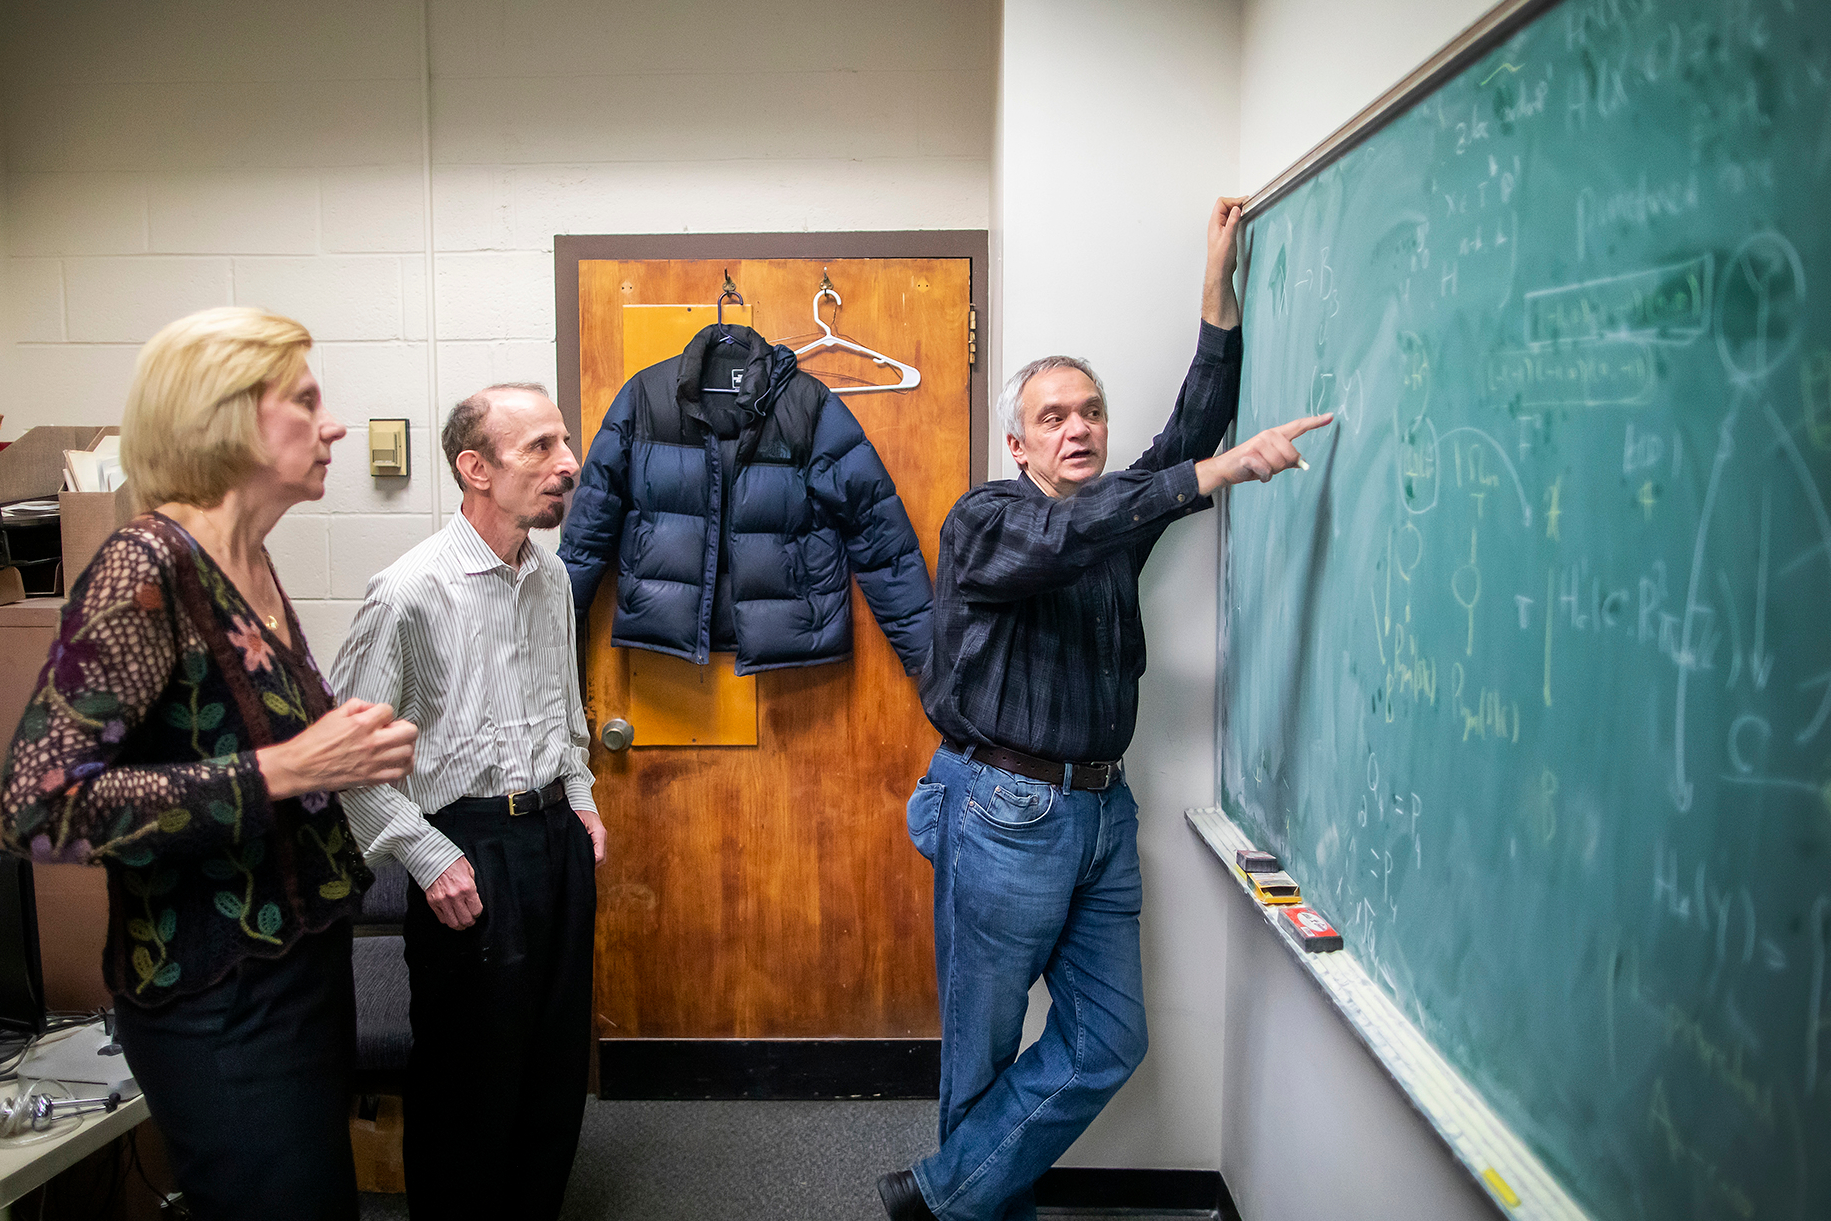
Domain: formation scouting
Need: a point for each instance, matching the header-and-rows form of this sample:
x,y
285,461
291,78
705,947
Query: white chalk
x,y
1302,465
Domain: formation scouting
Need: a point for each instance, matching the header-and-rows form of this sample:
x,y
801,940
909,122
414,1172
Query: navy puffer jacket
x,y
785,472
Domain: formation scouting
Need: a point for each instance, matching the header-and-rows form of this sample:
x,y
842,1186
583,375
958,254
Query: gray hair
x,y
467,425
1011,399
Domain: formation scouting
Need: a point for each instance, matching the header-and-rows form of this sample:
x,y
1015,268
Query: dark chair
x,y
383,1035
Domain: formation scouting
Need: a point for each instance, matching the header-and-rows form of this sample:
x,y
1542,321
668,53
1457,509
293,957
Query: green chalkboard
x,y
1528,679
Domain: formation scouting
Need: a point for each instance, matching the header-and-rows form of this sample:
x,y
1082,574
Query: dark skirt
x,y
249,1084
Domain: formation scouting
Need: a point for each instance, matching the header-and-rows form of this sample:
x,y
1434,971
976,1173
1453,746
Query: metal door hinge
x,y
972,335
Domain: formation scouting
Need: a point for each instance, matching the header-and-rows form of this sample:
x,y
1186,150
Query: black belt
x,y
528,801
1092,777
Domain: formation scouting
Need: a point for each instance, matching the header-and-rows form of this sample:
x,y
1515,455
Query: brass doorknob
x,y
617,734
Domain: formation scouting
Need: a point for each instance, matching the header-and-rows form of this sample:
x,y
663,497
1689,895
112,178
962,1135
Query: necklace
x,y
272,621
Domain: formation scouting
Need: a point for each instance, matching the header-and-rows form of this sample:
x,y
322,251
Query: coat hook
x,y
730,292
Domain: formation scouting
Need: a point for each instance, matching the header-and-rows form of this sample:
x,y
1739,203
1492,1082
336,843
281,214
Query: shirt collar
x,y
475,554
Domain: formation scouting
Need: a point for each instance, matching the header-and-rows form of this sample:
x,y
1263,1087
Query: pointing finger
x,y
1296,428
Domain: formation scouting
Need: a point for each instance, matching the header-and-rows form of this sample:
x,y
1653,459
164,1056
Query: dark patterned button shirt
x,y
1038,641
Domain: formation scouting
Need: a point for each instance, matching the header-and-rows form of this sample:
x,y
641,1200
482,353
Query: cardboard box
x,y
88,518
32,468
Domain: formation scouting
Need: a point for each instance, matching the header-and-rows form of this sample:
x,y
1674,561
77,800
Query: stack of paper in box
x,y
94,470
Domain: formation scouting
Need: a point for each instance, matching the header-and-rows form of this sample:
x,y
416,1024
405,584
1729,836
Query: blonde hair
x,y
191,429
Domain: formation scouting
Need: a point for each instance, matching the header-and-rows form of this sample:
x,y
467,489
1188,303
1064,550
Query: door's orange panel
x,y
654,333
676,702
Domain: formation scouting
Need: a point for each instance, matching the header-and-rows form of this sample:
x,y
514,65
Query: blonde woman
x,y
182,738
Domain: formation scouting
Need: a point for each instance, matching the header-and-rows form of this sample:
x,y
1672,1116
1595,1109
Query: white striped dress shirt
x,y
481,657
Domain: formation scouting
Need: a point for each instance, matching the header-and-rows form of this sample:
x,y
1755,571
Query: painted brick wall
x,y
159,159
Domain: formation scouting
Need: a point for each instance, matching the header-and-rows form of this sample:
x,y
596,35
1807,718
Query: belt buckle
x,y
1106,777
516,806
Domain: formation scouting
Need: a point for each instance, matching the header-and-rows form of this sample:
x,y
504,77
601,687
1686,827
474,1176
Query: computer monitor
x,y
22,987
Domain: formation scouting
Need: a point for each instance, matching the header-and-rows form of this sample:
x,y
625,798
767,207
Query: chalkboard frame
x,y
1490,30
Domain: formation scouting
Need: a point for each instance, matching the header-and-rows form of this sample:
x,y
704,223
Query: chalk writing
x,y
1758,325
1551,586
1818,1022
1724,1065
1726,916
1465,584
1604,374
1492,718
1647,498
1815,397
1669,304
1707,1172
1410,675
1641,450
1525,102
1638,206
1760,661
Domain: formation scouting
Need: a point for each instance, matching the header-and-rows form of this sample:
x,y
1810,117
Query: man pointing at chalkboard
x,y
1025,813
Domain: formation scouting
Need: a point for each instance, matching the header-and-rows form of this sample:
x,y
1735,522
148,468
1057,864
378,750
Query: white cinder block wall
x,y
164,158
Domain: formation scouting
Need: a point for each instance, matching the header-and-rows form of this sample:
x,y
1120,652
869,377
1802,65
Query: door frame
x,y
770,1068
569,250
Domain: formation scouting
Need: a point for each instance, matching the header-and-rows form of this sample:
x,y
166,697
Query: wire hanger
x,y
730,293
912,377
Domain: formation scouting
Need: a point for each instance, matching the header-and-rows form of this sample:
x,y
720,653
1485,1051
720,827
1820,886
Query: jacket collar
x,y
768,370
764,369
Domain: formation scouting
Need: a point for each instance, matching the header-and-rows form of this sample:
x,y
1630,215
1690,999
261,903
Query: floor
x,y
772,1161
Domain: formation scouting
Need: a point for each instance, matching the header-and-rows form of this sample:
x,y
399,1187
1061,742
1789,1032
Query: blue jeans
x,y
1030,882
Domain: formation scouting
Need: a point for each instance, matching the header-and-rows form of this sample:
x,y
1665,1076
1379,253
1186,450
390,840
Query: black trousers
x,y
249,1082
501,1015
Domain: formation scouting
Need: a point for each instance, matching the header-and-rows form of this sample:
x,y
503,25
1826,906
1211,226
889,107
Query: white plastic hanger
x,y
912,377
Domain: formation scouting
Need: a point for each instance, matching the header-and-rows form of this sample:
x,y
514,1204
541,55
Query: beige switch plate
x,y
388,448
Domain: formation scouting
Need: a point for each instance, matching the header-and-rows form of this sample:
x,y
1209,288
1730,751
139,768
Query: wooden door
x,y
770,892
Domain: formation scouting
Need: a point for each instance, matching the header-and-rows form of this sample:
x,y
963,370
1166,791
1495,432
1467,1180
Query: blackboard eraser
x,y
1275,887
1251,860
1308,929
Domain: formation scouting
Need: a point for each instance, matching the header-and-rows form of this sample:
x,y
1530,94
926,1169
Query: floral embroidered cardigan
x,y
137,753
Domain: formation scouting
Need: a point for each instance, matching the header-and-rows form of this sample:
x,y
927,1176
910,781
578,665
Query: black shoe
x,y
902,1198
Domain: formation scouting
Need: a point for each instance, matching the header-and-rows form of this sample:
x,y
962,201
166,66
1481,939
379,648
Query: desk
x,y
67,1057
24,1167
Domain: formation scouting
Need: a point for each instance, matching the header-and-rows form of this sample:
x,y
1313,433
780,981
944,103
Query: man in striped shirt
x,y
470,636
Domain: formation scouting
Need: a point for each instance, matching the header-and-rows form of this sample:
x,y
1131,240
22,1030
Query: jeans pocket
x,y
924,815
1016,807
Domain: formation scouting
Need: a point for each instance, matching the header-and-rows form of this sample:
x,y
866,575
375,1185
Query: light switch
x,y
388,448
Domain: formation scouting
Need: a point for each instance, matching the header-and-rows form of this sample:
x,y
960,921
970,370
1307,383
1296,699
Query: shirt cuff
x,y
578,792
1216,345
426,857
1182,490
